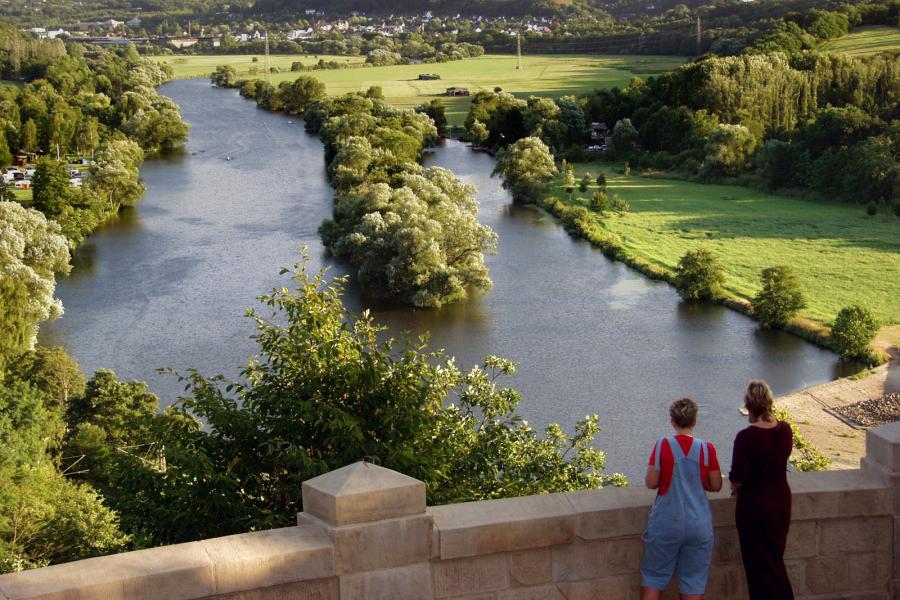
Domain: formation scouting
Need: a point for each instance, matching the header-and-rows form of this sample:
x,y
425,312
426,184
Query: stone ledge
x,y
883,446
174,572
266,558
475,528
611,512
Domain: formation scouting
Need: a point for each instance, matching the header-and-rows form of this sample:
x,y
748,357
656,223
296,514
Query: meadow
x,y
203,65
842,255
866,40
541,75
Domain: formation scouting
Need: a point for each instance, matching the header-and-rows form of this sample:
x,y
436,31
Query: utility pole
x,y
268,69
699,36
518,51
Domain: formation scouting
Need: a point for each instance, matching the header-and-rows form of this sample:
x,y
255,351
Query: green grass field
x,y
866,40
841,255
203,65
542,75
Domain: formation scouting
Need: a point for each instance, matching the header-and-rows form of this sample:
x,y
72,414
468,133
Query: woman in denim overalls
x,y
679,536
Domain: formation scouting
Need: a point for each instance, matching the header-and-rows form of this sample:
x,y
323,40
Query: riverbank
x,y
812,410
841,255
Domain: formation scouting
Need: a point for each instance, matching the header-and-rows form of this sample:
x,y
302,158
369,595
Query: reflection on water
x,y
168,282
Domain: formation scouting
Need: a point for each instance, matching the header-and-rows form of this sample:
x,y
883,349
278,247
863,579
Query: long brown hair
x,y
758,400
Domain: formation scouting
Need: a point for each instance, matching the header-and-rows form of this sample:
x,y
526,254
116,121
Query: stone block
x,y
874,534
832,494
361,493
624,556
796,570
487,596
266,558
582,560
622,587
726,581
611,512
477,528
841,573
530,567
473,575
803,538
173,572
722,506
317,589
537,592
727,548
883,446
382,545
412,582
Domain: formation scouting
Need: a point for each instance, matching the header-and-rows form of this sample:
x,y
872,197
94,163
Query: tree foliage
x,y
853,329
780,298
527,167
699,276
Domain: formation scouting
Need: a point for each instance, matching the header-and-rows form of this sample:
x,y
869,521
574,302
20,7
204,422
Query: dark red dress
x,y
763,514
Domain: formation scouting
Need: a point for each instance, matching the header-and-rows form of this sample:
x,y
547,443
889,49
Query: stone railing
x,y
367,534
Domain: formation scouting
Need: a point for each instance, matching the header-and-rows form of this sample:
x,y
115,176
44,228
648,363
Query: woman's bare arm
x,y
714,481
651,480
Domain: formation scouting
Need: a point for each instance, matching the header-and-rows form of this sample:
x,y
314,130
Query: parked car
x,y
75,182
18,175
74,173
8,177
596,148
29,171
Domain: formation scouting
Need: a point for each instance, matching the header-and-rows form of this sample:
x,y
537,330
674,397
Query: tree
x,y
327,392
87,136
623,139
479,133
780,298
584,183
225,76
527,167
50,186
115,174
853,329
53,372
5,155
569,182
29,140
601,181
699,276
599,202
729,150
31,252
437,111
299,94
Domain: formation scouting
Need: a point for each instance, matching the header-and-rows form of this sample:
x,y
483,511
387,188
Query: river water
x,y
167,285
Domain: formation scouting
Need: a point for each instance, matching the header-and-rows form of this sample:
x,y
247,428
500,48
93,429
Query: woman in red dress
x,y
759,479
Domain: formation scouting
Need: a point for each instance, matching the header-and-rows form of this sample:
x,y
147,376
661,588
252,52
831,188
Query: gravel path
x,y
872,413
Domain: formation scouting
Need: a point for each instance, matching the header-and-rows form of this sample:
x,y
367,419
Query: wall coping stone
x,y
362,492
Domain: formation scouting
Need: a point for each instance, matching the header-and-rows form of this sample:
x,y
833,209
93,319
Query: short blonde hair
x,y
758,399
684,412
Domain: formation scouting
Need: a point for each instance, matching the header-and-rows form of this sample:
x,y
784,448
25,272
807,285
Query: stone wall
x,y
367,534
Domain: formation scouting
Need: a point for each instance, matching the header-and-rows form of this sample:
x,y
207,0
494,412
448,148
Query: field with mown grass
x,y
542,75
866,40
841,255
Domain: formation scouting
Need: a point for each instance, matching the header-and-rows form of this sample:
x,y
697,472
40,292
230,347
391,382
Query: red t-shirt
x,y
667,461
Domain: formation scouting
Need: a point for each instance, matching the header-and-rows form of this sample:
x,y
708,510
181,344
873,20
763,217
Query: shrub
x,y
585,182
599,202
617,204
852,331
699,276
872,209
780,298
896,206
601,181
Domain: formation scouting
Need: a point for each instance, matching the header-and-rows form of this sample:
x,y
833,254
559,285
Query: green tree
x,y
29,140
584,183
438,113
853,329
699,276
296,96
32,251
50,186
599,202
328,391
53,372
569,180
479,133
224,76
729,150
527,167
5,155
780,298
601,181
624,138
87,136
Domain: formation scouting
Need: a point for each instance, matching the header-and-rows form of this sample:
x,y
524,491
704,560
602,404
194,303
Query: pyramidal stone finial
x,y
361,493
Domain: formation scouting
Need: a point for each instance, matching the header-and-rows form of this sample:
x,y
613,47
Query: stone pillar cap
x,y
361,493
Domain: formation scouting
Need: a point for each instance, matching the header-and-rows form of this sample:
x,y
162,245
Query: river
x,y
167,285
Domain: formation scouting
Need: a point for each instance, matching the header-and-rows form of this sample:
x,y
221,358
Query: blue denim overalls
x,y
679,532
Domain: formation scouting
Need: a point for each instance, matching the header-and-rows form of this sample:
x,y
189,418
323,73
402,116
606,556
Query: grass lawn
x,y
866,40
203,65
543,75
841,255
23,196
